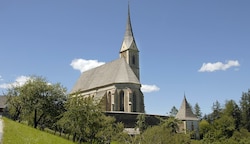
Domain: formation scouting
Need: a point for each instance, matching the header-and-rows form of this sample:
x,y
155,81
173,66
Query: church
x,y
116,85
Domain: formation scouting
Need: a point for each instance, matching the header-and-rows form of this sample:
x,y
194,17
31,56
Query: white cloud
x,y
149,88
21,80
211,67
84,65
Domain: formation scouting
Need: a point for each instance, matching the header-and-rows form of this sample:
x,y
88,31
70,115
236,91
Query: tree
x,y
14,103
233,110
172,124
141,122
245,109
40,102
204,127
162,135
224,126
85,121
173,111
216,111
197,111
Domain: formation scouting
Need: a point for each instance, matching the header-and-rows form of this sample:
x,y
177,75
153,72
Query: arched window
x,y
133,59
122,100
108,103
134,102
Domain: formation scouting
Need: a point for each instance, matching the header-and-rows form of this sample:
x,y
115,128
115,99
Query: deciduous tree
x,y
39,101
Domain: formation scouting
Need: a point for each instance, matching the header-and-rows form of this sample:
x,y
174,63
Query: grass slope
x,y
16,133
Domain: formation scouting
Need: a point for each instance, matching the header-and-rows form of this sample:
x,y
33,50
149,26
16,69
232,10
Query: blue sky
x,y
200,48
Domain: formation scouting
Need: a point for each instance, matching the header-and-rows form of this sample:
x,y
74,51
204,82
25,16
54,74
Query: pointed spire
x,y
129,31
128,36
185,111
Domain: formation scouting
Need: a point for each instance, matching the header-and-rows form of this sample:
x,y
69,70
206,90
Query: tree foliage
x,y
86,122
141,123
245,108
37,102
162,135
229,124
197,111
173,111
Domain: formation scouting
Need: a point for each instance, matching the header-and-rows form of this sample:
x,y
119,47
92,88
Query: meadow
x,y
17,133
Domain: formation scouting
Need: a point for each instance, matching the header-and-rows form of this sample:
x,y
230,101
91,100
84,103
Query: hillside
x,y
16,133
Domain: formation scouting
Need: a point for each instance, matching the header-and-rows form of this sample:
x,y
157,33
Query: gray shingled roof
x,y
117,71
185,112
3,100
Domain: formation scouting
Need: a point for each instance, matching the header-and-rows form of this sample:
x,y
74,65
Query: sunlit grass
x,y
16,133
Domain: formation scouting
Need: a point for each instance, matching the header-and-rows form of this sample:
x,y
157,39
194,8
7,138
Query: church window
x,y
108,103
134,102
122,100
133,59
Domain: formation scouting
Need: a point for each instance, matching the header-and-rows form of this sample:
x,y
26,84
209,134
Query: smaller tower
x,y
129,50
190,122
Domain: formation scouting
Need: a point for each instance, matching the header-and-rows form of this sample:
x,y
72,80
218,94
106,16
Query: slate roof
x,y
3,100
185,112
117,71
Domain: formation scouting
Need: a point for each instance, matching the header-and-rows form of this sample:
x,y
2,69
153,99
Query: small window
x,y
133,59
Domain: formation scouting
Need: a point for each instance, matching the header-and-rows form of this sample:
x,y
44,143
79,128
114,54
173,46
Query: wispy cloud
x,y
211,67
84,65
149,88
21,80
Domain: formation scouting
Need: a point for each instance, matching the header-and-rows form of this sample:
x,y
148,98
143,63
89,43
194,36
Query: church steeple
x,y
129,50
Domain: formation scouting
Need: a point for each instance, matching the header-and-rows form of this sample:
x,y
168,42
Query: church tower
x,y
129,50
190,122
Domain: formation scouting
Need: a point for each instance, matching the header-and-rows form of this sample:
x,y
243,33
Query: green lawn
x,y
16,133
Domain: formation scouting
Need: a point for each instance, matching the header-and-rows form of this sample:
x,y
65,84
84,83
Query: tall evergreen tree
x,y
216,111
245,108
173,111
197,111
233,110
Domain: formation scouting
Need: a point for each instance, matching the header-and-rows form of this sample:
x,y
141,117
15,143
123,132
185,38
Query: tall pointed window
x,y
108,103
134,102
122,100
133,59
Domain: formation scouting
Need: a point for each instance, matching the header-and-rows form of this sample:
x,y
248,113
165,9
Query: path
x,y
1,128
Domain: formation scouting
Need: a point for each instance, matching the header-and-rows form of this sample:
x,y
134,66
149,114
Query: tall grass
x,y
16,133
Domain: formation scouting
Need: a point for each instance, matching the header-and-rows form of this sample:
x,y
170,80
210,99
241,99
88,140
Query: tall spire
x,y
129,31
128,36
129,50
